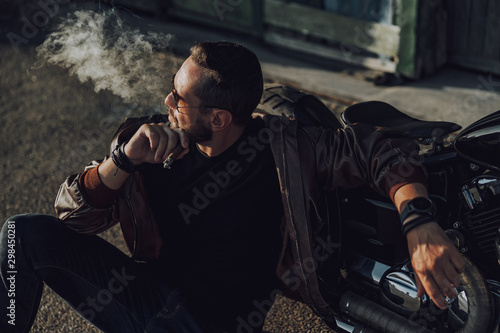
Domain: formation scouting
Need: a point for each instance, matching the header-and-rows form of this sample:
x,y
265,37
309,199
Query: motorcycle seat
x,y
381,114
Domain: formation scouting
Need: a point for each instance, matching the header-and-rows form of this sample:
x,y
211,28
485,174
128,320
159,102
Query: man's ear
x,y
220,119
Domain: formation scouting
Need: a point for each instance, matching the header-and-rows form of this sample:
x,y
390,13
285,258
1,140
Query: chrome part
x,y
349,325
345,326
451,300
474,167
456,237
463,301
377,317
401,289
494,287
382,204
497,245
481,219
458,310
471,196
369,270
472,191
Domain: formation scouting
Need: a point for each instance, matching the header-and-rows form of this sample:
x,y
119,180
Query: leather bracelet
x,y
121,160
419,220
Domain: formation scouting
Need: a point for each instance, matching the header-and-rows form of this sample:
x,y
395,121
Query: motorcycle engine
x,y
478,223
475,228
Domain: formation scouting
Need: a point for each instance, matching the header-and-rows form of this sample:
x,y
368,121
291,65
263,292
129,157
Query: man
x,y
206,235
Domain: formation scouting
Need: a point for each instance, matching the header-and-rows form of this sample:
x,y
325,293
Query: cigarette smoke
x,y
99,47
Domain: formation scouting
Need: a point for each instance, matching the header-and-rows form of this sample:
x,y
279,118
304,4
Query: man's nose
x,y
169,101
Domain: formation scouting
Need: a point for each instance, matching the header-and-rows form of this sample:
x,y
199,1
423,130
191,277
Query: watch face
x,y
421,204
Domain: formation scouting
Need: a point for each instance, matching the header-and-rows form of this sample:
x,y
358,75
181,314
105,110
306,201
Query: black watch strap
x,y
422,206
417,221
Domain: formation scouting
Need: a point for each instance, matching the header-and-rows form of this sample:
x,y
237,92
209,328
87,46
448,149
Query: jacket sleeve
x,y
80,215
76,213
359,154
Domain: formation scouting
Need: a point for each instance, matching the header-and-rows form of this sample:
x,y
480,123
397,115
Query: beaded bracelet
x,y
121,160
419,220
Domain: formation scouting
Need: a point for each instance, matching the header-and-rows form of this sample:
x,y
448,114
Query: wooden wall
x,y
413,38
318,31
474,34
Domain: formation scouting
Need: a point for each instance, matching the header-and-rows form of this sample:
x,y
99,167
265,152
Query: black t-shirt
x,y
219,218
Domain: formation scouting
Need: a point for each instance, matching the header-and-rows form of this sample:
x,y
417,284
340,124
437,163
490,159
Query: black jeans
x,y
109,289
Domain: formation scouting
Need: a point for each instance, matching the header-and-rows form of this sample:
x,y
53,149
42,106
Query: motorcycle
x,y
370,278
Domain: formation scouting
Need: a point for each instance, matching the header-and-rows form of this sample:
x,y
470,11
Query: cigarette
x,y
167,164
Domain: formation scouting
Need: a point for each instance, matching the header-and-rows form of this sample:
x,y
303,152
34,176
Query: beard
x,y
198,132
171,119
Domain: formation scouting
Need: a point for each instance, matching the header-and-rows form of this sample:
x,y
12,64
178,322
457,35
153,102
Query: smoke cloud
x,y
99,47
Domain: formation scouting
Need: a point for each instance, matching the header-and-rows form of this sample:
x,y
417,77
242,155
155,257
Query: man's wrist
x,y
112,176
409,218
133,161
95,191
415,221
121,160
420,206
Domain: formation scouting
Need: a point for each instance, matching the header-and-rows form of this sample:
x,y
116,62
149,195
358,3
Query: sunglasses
x,y
177,98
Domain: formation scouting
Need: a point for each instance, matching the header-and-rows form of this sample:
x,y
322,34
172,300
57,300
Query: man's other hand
x,y
437,263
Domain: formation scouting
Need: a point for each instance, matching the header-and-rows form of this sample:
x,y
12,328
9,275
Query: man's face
x,y
186,115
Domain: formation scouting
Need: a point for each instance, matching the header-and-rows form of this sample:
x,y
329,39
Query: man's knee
x,y
26,225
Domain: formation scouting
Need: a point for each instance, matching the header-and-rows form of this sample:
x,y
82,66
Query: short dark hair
x,y
233,78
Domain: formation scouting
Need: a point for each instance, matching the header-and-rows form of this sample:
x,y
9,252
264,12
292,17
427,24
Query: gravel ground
x,y
51,125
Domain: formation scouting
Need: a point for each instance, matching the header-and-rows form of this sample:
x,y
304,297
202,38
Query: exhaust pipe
x,y
376,316
349,325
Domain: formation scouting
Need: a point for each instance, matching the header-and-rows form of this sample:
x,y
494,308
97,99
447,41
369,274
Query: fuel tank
x,y
480,142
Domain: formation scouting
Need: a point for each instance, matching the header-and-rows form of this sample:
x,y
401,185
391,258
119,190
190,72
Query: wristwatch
x,y
420,206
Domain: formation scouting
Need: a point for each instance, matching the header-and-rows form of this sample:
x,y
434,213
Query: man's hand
x,y
152,143
437,263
